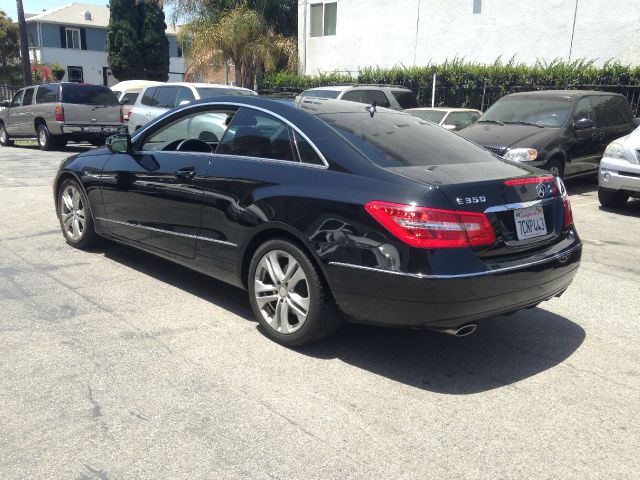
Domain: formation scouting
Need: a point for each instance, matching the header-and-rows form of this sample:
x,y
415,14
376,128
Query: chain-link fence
x,y
8,91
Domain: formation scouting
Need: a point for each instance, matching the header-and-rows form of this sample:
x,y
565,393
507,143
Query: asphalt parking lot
x,y
117,365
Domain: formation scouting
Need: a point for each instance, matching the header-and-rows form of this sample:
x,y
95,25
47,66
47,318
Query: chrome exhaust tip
x,y
462,331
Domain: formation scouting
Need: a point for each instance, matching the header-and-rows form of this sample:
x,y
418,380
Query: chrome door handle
x,y
187,173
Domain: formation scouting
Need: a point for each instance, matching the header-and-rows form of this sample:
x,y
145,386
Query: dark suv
x,y
564,132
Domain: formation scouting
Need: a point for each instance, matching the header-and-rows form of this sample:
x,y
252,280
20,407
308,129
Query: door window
x,y
17,99
197,132
583,110
27,97
148,97
252,133
184,94
460,120
367,97
47,93
165,97
609,111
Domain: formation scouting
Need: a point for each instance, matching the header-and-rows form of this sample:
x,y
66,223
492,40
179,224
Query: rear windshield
x,y
547,112
397,140
88,94
216,92
321,93
405,99
434,116
130,97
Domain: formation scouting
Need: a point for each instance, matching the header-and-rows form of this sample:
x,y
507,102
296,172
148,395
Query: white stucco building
x,y
343,35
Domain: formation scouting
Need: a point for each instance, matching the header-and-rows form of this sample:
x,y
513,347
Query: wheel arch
x,y
60,179
38,121
272,231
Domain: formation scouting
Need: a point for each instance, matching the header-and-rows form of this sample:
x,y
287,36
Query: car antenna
x,y
372,108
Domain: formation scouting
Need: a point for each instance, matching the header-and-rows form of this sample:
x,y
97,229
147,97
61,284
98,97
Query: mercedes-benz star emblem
x,y
540,188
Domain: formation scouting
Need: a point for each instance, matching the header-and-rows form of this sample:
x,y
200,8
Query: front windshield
x,y
546,112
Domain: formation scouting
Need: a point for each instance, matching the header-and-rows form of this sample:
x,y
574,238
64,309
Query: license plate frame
x,y
94,129
530,223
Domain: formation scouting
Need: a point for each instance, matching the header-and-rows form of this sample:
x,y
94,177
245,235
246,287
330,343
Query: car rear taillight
x,y
431,227
568,213
528,180
129,115
59,113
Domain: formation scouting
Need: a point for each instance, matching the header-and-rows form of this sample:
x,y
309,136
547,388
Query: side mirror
x,y
119,143
4,104
124,101
583,124
184,102
448,126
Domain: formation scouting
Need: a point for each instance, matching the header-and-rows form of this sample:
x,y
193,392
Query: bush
x,y
57,71
467,84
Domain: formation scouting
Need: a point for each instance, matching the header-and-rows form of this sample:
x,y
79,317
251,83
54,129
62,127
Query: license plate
x,y
93,129
530,223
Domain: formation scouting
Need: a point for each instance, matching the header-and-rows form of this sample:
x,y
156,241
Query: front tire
x,y
288,296
5,141
74,214
556,167
612,198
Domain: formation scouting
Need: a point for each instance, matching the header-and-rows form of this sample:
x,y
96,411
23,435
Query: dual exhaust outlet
x,y
462,331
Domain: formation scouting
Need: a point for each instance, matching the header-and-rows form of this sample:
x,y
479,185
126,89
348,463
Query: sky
x,y
36,6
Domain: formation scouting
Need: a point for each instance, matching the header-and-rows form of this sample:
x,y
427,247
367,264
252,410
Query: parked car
x,y
564,132
619,176
153,101
55,113
387,96
321,207
127,93
453,119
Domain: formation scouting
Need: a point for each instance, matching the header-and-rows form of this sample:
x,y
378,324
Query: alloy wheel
x,y
72,213
3,134
281,291
42,137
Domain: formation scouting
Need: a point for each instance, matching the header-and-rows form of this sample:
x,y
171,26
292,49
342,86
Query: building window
x,y
74,74
179,51
323,19
73,37
477,6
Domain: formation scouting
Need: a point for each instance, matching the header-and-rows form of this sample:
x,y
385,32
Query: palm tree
x,y
24,47
241,35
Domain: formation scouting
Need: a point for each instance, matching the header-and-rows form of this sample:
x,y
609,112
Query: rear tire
x,y
46,141
612,198
288,296
74,214
5,141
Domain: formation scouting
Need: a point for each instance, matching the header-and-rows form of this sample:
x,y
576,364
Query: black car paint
x,y
374,277
579,150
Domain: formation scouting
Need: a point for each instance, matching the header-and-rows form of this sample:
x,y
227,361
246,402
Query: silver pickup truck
x,y
55,113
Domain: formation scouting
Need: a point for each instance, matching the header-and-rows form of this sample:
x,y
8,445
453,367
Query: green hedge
x,y
462,84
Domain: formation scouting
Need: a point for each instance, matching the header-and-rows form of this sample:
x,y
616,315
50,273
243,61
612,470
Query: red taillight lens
x,y
59,113
433,228
568,213
129,115
528,181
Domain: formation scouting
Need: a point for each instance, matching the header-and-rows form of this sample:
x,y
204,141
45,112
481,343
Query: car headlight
x,y
521,154
615,150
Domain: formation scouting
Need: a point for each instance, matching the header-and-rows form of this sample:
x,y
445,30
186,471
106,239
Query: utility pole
x,y
24,46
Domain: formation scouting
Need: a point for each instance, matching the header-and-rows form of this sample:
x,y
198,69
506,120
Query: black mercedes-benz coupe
x,y
328,210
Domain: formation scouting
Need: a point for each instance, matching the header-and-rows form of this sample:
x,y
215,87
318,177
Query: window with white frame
x,y
323,19
73,38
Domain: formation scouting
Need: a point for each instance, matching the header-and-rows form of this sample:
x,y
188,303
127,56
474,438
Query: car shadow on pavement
x,y
504,350
214,291
631,209
582,185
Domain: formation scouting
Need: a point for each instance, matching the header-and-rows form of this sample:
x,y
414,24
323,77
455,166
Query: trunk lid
x,y
483,187
90,105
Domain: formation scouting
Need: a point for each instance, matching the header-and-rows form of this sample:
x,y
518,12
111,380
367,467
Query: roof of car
x,y
559,93
133,84
442,109
205,85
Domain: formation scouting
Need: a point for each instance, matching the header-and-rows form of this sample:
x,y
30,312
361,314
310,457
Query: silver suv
x,y
55,113
153,101
387,96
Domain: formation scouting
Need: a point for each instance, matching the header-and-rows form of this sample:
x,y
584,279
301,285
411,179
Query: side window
x,y
608,111
306,153
353,96
583,110
17,99
147,98
184,94
165,97
197,132
27,98
252,133
47,93
370,96
623,109
460,120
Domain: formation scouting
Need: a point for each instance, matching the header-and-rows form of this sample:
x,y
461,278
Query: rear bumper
x,y
92,131
411,300
617,174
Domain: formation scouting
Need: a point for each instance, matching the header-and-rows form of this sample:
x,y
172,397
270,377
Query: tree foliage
x,y
9,46
242,35
154,43
125,57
